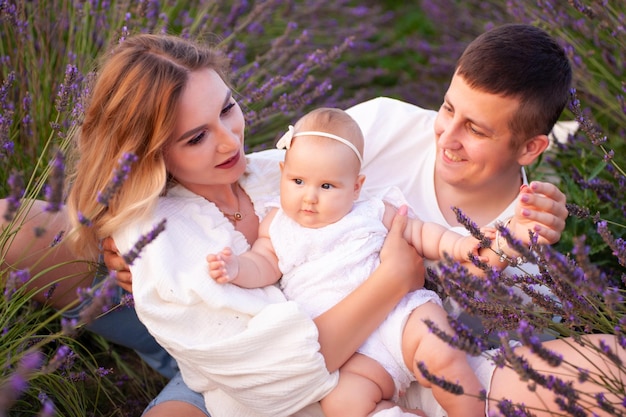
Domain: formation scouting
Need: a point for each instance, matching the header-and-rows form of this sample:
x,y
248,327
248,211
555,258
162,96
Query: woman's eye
x,y
228,108
197,139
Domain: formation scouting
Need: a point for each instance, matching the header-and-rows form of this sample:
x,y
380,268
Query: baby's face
x,y
319,182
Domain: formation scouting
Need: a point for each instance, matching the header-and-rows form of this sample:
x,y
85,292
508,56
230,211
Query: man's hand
x,y
115,262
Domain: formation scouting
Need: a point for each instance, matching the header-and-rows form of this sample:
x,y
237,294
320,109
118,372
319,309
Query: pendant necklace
x,y
237,215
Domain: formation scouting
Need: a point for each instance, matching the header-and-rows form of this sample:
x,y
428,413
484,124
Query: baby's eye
x,y
327,186
298,181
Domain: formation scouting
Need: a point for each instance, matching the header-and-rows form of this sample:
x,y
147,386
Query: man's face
x,y
474,138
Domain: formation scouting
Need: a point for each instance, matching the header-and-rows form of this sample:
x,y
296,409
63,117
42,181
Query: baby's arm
x,y
253,269
432,240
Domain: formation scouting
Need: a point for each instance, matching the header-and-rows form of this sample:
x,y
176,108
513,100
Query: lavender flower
x,y
17,382
463,339
119,176
56,180
6,115
47,408
472,227
57,238
16,279
529,338
16,192
100,299
440,382
143,241
84,220
617,245
68,326
62,359
67,88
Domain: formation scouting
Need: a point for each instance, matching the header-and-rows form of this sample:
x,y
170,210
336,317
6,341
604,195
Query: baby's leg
x,y
419,344
364,387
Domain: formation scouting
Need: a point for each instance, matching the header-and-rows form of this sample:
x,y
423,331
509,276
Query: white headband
x,y
285,141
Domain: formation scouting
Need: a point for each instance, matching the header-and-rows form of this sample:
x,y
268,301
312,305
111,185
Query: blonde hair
x,y
334,121
132,110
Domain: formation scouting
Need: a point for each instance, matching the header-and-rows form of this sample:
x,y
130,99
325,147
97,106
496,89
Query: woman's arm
x,y
344,327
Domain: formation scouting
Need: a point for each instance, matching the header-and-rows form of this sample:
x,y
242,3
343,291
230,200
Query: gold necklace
x,y
237,215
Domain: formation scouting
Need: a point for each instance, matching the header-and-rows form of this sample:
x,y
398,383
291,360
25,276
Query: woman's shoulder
x,y
183,211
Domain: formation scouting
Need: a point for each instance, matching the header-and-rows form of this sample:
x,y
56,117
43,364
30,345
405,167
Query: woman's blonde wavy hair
x,y
132,109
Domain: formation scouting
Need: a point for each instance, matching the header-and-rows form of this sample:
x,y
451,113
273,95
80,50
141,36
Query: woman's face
x,y
207,145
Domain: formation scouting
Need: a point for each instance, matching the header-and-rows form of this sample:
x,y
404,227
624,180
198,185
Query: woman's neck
x,y
225,197
236,206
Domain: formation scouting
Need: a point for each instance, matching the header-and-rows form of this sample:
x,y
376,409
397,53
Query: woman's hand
x,y
400,257
541,209
115,262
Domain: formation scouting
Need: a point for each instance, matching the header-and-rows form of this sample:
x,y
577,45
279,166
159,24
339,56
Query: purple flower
x,y
120,174
56,181
67,88
16,192
143,241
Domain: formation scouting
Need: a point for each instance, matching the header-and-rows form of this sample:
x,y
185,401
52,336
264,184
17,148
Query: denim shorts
x,y
177,390
122,326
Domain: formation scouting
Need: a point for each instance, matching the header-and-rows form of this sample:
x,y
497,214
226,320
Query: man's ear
x,y
358,185
531,149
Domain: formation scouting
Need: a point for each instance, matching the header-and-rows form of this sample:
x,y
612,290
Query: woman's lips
x,y
230,162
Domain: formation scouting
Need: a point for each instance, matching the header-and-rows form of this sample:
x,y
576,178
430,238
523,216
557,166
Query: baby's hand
x,y
469,245
223,266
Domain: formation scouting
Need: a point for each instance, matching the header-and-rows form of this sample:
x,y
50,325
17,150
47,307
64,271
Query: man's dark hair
x,y
525,62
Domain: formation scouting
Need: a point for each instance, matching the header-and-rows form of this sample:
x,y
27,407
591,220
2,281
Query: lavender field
x,y
288,56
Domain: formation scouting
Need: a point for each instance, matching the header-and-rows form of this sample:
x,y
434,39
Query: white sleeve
x,y
250,352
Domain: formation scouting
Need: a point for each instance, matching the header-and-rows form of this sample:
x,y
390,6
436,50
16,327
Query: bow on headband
x,y
285,141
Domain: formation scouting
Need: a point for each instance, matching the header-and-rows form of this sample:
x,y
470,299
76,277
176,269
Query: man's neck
x,y
481,205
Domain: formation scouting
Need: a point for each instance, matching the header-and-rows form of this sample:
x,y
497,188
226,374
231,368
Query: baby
x,y
324,241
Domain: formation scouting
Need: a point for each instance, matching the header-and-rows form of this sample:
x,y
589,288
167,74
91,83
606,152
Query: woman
x,y
164,99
